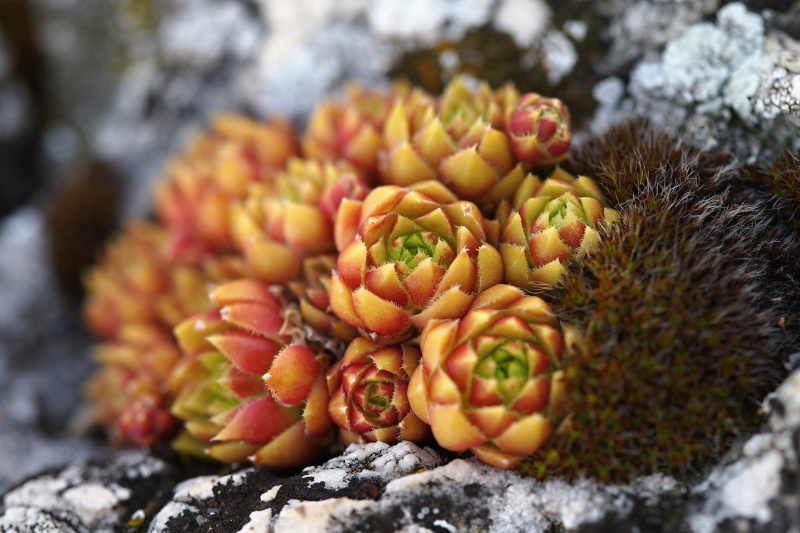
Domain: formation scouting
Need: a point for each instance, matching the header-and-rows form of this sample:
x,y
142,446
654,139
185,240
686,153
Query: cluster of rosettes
x,y
370,280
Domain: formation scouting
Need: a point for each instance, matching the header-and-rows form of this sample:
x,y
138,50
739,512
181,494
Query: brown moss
x,y
681,315
624,158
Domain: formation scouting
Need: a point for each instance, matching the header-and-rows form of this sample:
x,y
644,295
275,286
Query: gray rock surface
x,y
722,84
44,356
754,489
98,494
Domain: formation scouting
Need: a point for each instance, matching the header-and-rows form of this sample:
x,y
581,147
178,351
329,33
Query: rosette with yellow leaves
x,y
280,223
350,130
249,392
135,296
135,282
491,382
411,255
459,140
369,393
550,228
216,168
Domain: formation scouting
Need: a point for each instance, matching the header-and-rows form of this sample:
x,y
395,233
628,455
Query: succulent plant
x,y
369,393
312,294
351,130
250,392
417,254
131,275
131,388
540,131
135,296
194,199
491,382
145,421
459,140
549,229
280,223
415,220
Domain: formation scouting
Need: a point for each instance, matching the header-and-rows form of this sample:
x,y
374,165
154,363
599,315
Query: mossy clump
x,y
634,153
676,328
781,182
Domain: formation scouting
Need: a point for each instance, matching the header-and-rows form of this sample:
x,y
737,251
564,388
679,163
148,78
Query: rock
x,y
638,28
724,85
97,494
26,452
303,502
43,355
377,487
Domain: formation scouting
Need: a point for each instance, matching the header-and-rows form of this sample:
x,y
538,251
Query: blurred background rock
x,y
95,94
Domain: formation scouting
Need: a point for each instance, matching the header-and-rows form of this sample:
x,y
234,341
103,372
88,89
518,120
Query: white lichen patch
x,y
788,394
447,526
270,494
779,91
90,503
88,494
748,488
742,490
260,522
426,21
559,56
138,464
407,19
168,512
94,501
316,516
198,488
723,83
697,67
40,492
750,491
525,20
515,503
30,519
376,460
199,34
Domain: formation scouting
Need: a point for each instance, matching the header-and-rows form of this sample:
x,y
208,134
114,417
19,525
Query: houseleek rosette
x,y
216,168
312,294
369,393
552,225
540,131
281,223
350,130
250,392
135,296
130,393
414,254
459,140
491,382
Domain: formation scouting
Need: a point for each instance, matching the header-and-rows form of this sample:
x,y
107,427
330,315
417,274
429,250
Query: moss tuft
x,y
680,318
